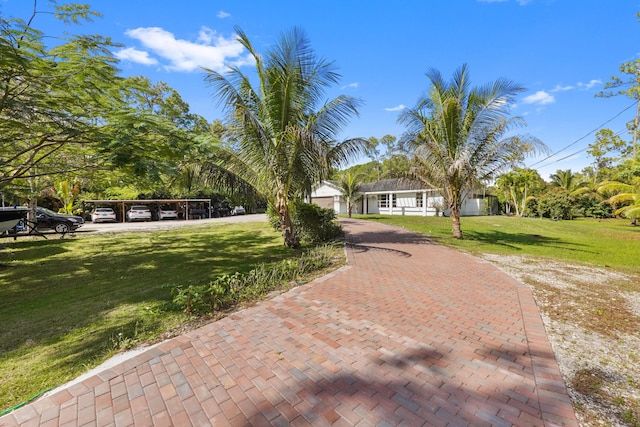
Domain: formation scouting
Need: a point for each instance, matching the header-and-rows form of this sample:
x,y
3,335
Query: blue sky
x,y
562,51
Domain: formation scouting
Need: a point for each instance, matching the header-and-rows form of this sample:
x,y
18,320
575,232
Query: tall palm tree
x,y
284,139
350,185
456,133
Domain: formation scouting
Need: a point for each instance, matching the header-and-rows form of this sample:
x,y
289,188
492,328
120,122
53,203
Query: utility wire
x,y
576,152
580,139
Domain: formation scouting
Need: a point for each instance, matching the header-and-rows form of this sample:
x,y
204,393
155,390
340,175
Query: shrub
x,y
311,223
227,290
315,224
556,204
590,206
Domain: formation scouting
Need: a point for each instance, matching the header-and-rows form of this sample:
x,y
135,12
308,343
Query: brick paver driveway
x,y
409,333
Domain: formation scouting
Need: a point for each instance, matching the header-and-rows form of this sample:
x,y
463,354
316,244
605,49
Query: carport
x,y
191,208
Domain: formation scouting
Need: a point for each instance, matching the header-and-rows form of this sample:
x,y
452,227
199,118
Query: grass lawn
x,y
604,243
67,305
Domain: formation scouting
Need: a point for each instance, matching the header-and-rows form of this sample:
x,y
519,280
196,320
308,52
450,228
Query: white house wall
x,y
472,207
371,205
405,203
325,190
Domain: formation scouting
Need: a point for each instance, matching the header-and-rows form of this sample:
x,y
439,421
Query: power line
x,y
576,152
580,139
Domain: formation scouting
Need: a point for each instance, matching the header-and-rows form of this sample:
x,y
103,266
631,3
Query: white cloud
x,y
589,85
540,97
397,108
351,86
210,50
559,88
205,35
222,14
135,55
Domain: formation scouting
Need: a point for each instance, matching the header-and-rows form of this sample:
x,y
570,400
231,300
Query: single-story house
x,y
392,197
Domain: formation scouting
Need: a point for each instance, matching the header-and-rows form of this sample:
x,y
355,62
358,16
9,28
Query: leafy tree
x,y
627,85
64,110
367,172
350,185
284,139
50,99
456,133
518,186
606,142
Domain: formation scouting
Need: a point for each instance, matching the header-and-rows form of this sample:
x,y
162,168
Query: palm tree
x,y
456,134
629,194
569,181
284,139
350,185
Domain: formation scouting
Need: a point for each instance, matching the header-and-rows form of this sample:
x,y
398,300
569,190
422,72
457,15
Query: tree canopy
x,y
283,134
66,111
459,135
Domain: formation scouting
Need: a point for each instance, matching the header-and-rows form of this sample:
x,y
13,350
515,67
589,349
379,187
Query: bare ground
x,y
592,317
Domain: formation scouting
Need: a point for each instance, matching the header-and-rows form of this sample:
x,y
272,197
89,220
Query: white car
x,y
167,214
238,210
103,215
139,213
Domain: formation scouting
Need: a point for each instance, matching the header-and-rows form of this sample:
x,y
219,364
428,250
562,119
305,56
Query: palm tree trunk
x,y
515,201
524,201
455,221
286,225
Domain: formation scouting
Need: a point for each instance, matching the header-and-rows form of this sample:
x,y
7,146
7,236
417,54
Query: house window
x,y
419,200
383,201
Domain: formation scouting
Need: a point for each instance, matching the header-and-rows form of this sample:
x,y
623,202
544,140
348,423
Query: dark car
x,y
60,223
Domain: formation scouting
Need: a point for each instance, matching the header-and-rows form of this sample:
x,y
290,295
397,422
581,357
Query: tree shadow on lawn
x,y
358,234
516,241
42,302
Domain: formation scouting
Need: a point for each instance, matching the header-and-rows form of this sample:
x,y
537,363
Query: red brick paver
x,y
409,333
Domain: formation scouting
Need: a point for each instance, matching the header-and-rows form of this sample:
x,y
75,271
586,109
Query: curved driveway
x,y
409,333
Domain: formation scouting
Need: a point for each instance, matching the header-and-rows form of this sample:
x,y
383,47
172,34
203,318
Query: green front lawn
x,y
67,305
606,243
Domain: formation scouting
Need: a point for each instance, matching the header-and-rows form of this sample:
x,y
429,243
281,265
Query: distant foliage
x,y
590,206
555,204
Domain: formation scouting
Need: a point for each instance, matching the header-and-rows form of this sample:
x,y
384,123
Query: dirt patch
x,y
592,318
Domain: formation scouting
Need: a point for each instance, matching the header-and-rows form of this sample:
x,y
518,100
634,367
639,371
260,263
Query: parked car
x,y
167,214
103,215
60,223
238,210
139,213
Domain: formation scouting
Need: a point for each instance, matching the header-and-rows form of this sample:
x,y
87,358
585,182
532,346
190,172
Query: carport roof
x,y
147,201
